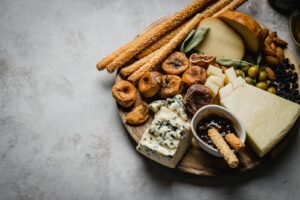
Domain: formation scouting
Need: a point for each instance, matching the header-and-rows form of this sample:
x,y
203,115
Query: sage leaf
x,y
234,63
259,57
194,38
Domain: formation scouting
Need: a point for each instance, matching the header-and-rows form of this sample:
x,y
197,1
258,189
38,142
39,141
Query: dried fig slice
x,y
194,74
139,113
124,93
196,97
175,64
149,84
171,85
202,60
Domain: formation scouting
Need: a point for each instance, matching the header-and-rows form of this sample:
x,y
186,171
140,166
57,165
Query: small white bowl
x,y
220,111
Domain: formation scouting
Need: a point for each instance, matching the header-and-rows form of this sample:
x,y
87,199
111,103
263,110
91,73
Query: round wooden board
x,y
199,162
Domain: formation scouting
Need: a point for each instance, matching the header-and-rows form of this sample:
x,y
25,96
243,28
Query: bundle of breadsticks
x,y
150,48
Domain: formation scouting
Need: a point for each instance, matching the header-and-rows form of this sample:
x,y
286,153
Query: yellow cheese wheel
x,y
221,40
246,26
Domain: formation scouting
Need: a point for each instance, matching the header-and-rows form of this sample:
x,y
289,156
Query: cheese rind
x,y
167,138
267,117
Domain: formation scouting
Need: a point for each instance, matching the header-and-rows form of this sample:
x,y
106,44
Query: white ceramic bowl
x,y
223,112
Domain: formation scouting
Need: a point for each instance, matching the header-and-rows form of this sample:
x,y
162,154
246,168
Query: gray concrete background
x,y
60,134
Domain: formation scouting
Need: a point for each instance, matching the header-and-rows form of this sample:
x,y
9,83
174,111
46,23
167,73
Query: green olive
x,y
249,80
245,69
272,90
262,76
253,71
239,72
262,85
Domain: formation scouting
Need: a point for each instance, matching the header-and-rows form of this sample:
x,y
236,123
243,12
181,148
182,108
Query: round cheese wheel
x,y
221,40
246,26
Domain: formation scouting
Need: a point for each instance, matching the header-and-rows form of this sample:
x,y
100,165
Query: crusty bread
x,y
246,26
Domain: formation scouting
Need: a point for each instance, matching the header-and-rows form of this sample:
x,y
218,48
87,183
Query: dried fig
x,y
124,93
139,113
194,74
170,86
149,84
202,60
176,63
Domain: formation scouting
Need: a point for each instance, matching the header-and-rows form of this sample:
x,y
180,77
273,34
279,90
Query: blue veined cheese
x,y
167,138
155,106
175,104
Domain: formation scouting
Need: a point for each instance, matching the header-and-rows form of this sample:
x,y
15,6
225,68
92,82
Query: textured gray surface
x,y
60,134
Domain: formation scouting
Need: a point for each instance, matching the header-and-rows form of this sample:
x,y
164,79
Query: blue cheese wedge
x,y
167,138
267,117
175,104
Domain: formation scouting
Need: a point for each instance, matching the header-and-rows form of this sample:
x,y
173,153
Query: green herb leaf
x,y
234,63
259,57
193,39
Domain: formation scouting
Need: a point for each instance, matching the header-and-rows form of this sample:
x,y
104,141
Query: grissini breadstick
x,y
102,64
127,71
234,142
168,36
161,42
164,51
232,6
223,148
154,34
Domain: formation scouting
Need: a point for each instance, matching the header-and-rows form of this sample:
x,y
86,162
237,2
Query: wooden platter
x,y
198,162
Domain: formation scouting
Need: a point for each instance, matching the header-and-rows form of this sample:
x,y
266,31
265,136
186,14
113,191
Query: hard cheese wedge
x,y
267,117
167,138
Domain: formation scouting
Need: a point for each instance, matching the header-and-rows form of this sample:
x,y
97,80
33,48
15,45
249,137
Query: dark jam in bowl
x,y
222,124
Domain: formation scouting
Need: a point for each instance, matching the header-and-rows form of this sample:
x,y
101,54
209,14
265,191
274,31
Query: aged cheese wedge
x,y
246,26
221,40
267,117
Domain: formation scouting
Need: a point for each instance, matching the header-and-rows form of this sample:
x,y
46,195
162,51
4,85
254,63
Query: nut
x,y
270,73
280,54
264,33
273,34
280,42
273,46
269,52
268,40
272,60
